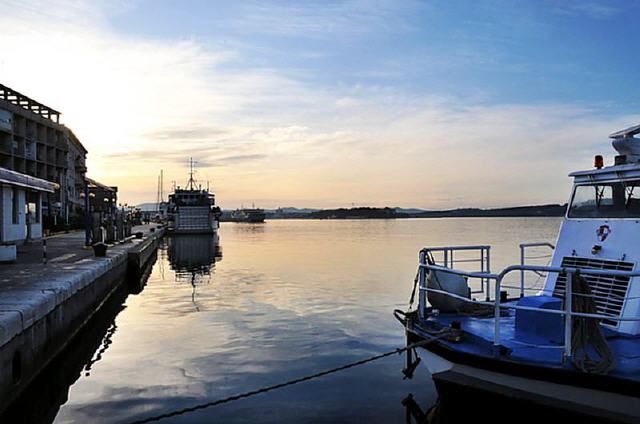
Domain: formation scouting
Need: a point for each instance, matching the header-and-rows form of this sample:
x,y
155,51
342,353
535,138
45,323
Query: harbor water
x,y
262,304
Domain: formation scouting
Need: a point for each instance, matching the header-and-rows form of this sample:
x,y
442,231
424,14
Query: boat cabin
x,y
188,197
601,230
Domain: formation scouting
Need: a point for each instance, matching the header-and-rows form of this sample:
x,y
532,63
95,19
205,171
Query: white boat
x,y
570,347
193,210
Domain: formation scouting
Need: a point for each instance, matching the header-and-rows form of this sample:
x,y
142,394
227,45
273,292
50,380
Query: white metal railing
x,y
480,254
567,311
524,257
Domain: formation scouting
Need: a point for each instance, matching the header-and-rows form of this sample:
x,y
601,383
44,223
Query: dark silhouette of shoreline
x,y
552,210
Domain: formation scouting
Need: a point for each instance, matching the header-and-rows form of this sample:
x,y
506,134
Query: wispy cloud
x,y
590,9
142,104
193,132
320,19
240,158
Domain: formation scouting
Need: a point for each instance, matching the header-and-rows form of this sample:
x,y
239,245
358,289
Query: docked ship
x,y
193,210
253,215
570,346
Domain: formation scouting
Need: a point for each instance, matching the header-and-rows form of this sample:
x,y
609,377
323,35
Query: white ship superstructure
x,y
193,210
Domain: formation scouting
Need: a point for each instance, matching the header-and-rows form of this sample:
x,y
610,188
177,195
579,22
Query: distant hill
x,y
291,210
148,207
393,213
354,213
409,210
398,213
539,210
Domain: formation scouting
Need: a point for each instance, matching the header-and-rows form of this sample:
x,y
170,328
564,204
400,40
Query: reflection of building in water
x,y
192,257
40,402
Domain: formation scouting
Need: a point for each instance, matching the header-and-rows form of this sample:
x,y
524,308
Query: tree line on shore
x,y
550,210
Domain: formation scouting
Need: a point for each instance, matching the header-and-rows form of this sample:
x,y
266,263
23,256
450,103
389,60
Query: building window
x,y
15,206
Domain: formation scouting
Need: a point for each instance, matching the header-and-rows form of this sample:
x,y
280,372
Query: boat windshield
x,y
606,200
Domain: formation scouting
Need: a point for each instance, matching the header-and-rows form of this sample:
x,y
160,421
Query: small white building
x,y
21,206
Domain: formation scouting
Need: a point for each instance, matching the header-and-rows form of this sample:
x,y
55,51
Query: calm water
x,y
272,302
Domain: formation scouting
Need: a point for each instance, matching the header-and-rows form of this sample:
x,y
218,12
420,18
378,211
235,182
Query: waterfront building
x,y
35,144
102,198
77,169
21,206
105,218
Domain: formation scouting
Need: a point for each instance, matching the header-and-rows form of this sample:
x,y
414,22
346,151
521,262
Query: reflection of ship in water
x,y
192,257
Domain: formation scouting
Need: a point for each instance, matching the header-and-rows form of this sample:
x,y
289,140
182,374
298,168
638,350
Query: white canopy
x,y
27,181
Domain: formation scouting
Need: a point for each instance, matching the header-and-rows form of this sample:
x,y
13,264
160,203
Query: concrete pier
x,y
43,305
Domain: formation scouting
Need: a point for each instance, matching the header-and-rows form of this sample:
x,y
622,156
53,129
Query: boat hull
x,y
495,392
253,216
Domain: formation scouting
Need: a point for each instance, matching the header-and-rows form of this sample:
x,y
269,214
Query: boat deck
x,y
537,351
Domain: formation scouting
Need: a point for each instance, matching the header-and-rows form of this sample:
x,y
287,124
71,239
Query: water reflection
x,y
41,401
249,227
193,257
290,298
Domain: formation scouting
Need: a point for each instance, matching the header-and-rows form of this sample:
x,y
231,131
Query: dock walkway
x,y
43,305
65,253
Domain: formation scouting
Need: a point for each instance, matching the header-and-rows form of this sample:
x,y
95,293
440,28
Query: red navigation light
x,y
598,162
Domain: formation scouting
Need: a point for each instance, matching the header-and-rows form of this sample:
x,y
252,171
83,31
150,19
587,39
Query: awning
x,y
27,181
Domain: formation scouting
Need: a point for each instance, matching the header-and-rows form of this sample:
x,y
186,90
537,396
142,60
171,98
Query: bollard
x,y
100,250
44,250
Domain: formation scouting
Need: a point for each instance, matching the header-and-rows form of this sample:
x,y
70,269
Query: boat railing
x,y
524,249
479,255
498,303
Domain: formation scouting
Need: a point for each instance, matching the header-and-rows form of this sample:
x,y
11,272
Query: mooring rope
x,y
280,385
586,333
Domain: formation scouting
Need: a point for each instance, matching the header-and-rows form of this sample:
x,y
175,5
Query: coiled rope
x,y
281,385
586,334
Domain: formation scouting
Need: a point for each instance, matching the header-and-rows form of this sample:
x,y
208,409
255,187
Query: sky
x,y
429,104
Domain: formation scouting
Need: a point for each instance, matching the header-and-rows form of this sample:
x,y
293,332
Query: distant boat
x,y
253,215
192,210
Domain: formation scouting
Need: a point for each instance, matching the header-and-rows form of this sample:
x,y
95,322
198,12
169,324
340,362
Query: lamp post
x,y
88,218
109,220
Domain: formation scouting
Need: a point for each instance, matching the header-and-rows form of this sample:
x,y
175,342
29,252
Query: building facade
x,y
76,180
35,144
21,206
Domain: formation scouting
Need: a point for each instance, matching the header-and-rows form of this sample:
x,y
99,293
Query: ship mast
x,y
191,183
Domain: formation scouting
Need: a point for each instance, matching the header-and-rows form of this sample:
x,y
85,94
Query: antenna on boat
x,y
191,182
